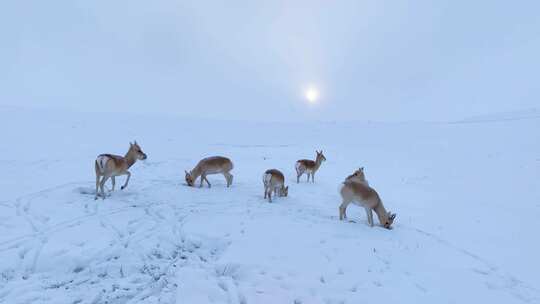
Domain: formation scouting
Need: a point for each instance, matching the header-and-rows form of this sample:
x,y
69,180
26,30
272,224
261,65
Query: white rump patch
x,y
102,162
267,177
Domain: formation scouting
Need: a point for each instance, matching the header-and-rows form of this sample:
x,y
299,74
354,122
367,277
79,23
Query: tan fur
x,y
363,195
274,181
109,165
309,166
208,166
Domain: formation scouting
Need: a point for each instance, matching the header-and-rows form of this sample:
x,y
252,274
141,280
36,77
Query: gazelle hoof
x,y
122,188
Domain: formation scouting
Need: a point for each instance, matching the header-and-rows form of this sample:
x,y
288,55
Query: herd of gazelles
x,y
355,189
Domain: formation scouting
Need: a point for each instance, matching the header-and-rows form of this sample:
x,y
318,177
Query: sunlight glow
x,y
312,95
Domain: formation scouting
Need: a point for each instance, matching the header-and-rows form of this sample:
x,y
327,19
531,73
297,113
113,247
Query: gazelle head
x,y
358,174
189,179
320,156
389,220
284,191
135,148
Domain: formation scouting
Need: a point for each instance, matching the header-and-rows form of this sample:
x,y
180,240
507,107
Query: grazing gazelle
x,y
210,165
361,194
108,166
358,176
274,181
307,165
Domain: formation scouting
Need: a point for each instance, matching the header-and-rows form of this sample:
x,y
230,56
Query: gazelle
x,y
108,166
308,166
274,181
358,176
210,165
361,194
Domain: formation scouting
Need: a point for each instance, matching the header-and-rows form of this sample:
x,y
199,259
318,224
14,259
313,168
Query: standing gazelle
x,y
109,165
274,181
359,193
210,165
308,166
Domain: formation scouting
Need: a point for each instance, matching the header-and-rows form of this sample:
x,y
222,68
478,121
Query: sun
x,y
312,95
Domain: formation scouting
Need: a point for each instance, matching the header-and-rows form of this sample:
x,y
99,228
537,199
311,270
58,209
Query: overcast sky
x,y
370,60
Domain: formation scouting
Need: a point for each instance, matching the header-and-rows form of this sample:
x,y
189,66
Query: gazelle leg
x,y
127,180
102,185
343,210
206,179
312,177
113,181
228,178
270,195
369,214
298,177
97,186
265,192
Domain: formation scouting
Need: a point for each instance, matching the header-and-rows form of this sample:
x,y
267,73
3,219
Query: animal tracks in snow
x,y
126,247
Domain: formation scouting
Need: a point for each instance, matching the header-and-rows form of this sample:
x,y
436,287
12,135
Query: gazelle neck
x,y
130,158
381,212
196,172
318,162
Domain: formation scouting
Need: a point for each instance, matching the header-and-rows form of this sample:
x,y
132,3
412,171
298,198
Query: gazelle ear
x,y
135,142
186,171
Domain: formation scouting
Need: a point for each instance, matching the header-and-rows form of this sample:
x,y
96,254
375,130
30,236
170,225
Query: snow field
x,y
465,195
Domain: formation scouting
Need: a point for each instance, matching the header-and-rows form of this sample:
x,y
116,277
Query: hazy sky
x,y
370,60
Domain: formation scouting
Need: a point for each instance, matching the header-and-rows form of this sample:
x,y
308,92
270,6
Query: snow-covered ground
x,y
466,194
